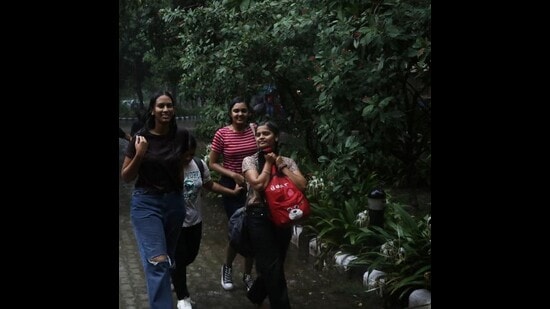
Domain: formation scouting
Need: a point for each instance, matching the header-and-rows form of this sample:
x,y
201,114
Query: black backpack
x,y
200,165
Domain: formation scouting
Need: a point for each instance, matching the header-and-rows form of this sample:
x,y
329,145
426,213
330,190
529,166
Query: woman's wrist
x,y
281,166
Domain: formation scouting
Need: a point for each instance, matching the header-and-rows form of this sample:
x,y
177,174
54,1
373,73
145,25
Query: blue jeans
x,y
157,221
269,109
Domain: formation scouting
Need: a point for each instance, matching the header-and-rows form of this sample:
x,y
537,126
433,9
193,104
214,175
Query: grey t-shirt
x,y
192,192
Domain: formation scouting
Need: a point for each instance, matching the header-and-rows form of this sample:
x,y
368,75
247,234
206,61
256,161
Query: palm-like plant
x,y
405,254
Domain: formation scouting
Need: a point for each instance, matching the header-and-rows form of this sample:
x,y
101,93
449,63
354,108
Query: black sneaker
x,y
254,300
247,279
227,280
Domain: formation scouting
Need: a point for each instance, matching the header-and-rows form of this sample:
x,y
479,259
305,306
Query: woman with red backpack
x,y
268,241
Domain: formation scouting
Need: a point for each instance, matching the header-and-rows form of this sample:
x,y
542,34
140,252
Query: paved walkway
x,y
308,287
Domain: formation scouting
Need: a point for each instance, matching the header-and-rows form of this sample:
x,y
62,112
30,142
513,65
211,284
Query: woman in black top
x,y
154,157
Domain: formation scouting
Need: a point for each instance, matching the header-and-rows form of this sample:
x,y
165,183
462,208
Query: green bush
x,y
401,248
404,254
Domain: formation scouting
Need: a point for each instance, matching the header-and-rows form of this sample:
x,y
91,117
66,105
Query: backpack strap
x,y
199,164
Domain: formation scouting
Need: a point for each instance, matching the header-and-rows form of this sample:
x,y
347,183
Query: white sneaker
x,y
227,280
185,303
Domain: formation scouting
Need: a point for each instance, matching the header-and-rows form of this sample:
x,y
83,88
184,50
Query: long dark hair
x,y
274,128
150,119
192,142
179,146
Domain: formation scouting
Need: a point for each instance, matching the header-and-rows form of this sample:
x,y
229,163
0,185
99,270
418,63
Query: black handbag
x,y
239,238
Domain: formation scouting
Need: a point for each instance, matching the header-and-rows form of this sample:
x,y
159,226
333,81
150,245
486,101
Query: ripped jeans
x,y
157,221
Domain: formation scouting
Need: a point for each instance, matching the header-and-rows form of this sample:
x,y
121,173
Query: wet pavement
x,y
308,287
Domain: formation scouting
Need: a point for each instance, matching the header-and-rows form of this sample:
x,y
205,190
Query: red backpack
x,y
287,204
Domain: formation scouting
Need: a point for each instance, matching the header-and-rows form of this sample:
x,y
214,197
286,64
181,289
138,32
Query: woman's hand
x,y
238,178
141,145
280,163
270,157
238,189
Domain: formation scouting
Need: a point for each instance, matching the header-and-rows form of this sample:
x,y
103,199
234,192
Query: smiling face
x,y
164,110
239,114
265,137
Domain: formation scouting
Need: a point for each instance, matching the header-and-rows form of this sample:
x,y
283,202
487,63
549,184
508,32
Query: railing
x,y
190,117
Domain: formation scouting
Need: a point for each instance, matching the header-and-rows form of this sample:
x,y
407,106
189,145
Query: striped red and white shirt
x,y
234,146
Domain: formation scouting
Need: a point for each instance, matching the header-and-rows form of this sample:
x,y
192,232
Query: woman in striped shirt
x,y
233,143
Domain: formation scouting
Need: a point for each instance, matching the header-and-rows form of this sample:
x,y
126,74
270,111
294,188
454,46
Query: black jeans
x,y
270,245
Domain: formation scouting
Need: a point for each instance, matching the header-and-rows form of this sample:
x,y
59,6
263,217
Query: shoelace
x,y
227,274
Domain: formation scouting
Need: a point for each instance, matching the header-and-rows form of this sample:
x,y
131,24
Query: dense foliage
x,y
363,68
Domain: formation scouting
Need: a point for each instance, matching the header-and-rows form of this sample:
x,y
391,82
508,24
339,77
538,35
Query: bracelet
x,y
280,167
269,173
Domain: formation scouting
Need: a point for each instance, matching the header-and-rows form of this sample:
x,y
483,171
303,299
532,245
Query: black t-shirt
x,y
162,166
